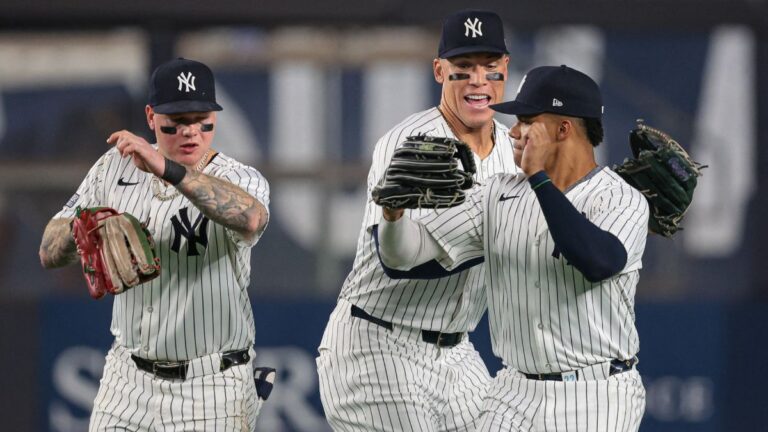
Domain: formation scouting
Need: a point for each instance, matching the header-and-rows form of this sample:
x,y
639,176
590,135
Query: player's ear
x,y
437,69
564,129
150,117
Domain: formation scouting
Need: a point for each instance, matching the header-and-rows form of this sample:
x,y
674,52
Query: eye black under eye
x,y
458,76
171,130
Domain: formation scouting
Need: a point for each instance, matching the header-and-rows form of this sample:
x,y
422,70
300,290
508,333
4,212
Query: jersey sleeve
x,y
251,181
623,211
459,230
90,193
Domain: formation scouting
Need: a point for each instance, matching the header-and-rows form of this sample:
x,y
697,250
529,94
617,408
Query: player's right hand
x,y
145,157
537,148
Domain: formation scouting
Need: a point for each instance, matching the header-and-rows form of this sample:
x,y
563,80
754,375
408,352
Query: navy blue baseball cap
x,y
182,86
472,31
558,90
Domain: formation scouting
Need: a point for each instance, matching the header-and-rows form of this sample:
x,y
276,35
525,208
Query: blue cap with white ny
x,y
472,31
558,90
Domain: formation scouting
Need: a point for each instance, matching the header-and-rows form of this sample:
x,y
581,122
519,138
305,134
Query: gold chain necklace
x,y
158,186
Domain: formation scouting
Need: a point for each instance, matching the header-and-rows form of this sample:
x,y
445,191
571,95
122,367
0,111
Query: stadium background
x,y
307,88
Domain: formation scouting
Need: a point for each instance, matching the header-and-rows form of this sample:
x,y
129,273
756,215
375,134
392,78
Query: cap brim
x,y
472,50
516,108
186,106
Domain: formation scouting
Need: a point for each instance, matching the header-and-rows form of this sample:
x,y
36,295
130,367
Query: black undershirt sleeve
x,y
596,253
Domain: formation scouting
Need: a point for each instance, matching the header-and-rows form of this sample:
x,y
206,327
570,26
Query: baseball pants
x,y
376,379
597,404
207,400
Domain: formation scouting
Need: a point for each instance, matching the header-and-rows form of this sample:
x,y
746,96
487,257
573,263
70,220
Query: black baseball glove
x,y
424,173
664,172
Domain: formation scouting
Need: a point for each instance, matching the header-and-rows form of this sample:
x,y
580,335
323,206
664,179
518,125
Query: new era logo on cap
x,y
181,86
472,31
558,90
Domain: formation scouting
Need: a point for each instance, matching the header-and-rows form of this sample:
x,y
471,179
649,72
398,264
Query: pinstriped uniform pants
x,y
598,404
208,400
375,379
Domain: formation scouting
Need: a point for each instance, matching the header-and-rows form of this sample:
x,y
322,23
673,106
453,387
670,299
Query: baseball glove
x,y
424,173
664,172
116,250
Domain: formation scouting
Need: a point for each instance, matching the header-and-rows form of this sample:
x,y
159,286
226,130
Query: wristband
x,y
538,179
538,185
174,172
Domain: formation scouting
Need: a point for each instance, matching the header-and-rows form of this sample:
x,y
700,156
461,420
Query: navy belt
x,y
442,340
178,369
616,367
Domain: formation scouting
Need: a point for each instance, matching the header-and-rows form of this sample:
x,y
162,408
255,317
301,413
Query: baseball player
x,y
563,243
395,355
183,341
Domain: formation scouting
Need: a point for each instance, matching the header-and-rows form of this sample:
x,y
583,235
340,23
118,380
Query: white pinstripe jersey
x,y
199,305
544,315
437,304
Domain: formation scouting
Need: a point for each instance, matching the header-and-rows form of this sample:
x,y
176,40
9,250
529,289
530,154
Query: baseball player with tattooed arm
x,y
182,353
562,242
395,355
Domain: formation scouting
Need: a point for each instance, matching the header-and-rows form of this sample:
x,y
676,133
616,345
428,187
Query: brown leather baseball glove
x,y
116,250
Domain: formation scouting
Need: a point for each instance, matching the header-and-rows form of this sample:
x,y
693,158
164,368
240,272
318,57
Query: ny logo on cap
x,y
476,27
557,102
188,81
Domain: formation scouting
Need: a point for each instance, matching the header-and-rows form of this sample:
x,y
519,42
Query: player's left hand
x,y
145,157
392,215
537,148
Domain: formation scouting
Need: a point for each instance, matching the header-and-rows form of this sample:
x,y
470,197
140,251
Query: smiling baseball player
x,y
395,355
563,243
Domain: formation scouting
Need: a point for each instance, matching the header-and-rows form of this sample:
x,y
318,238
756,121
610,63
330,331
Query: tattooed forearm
x,y
57,248
224,203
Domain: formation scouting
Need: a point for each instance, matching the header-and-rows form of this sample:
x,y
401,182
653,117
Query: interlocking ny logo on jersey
x,y
476,27
195,234
188,81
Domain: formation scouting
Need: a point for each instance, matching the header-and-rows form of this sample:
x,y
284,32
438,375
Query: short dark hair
x,y
594,130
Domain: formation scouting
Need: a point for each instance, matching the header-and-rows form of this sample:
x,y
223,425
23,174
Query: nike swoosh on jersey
x,y
121,182
508,197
